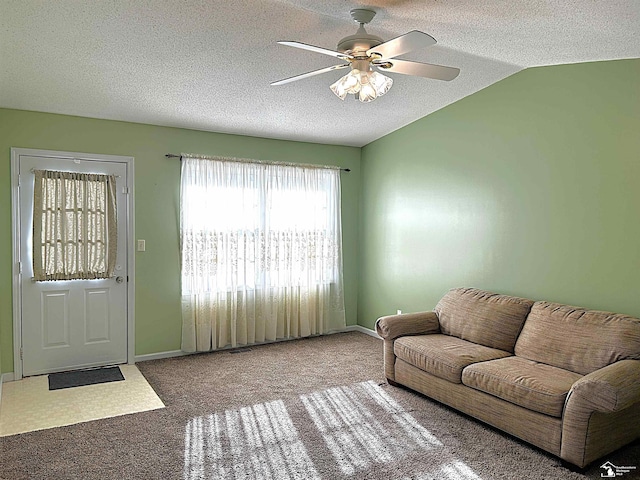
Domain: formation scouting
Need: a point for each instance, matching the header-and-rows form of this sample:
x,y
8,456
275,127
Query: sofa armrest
x,y
394,326
611,388
600,414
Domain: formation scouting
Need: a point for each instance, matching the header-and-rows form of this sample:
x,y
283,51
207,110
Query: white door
x,y
71,324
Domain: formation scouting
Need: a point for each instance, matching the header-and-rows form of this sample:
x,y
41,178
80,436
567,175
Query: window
x,y
257,225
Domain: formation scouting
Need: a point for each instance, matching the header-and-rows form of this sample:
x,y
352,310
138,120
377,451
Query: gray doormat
x,y
80,378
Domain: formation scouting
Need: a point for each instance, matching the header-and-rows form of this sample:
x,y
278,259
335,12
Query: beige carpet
x,y
306,409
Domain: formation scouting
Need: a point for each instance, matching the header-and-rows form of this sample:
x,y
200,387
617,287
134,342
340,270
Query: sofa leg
x,y
392,383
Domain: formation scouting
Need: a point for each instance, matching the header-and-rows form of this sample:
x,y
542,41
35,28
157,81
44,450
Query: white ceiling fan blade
x,y
310,74
439,72
402,44
313,48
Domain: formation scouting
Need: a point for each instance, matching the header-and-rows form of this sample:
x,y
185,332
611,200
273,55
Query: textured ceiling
x,y
207,65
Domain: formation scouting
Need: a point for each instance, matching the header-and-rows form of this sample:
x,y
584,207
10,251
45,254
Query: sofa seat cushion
x,y
442,355
531,385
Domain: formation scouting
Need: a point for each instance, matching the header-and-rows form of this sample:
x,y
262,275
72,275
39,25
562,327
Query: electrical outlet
x,y
399,312
141,245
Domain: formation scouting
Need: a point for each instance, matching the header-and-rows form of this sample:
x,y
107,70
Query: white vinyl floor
x,y
29,405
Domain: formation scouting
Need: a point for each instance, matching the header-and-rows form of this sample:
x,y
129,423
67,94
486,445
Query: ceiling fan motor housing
x,y
358,44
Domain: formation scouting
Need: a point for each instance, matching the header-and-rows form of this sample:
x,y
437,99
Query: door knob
x,y
119,279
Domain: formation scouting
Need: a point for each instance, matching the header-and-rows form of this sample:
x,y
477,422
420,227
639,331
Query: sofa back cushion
x,y
482,317
577,339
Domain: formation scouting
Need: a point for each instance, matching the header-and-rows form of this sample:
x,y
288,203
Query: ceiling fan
x,y
367,55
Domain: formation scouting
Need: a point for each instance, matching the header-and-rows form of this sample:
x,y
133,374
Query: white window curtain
x,y
261,252
74,226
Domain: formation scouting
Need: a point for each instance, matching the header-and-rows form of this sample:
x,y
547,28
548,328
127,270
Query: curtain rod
x,y
173,155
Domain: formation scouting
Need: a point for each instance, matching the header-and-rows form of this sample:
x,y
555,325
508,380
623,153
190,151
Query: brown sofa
x,y
563,378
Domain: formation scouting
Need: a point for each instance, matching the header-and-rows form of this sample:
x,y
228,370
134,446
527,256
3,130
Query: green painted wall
x,y
158,324
529,187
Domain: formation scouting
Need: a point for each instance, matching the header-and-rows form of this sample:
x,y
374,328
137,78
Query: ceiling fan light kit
x,y
368,85
365,54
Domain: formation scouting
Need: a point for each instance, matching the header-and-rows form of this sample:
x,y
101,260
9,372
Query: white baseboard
x,y
180,353
361,329
160,355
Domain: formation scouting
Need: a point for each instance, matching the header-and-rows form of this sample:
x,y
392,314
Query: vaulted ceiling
x,y
208,65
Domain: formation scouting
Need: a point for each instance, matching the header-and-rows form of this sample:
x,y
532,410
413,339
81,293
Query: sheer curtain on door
x,y
74,225
261,252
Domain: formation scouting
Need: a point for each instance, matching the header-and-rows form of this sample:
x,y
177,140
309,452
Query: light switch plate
x,y
141,245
